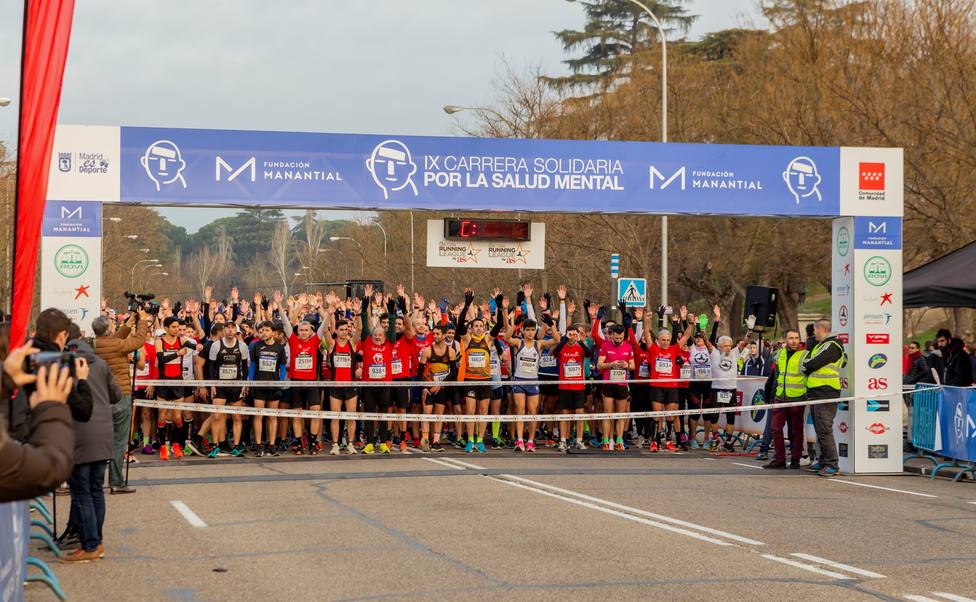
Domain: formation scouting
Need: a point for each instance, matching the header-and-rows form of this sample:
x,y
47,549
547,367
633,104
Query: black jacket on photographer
x,y
93,438
18,411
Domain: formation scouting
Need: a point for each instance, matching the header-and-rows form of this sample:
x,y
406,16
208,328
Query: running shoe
x,y
238,450
829,471
805,461
403,445
641,442
214,452
594,442
260,451
605,446
481,447
580,446
683,439
619,447
815,467
694,444
318,446
335,450
177,450
728,446
272,451
469,448
653,447
303,442
520,446
496,443
562,446
530,447
762,456
299,450
351,448
313,450
424,446
384,448
671,446
164,452
713,445
191,449
368,449
436,447
148,450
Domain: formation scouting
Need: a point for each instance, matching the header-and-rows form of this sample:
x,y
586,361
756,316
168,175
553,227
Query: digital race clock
x,y
480,229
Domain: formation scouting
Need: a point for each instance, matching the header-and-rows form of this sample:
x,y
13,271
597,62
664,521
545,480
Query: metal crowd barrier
x,y
942,426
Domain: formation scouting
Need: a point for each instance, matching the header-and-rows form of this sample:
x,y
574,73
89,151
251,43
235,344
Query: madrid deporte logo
x,y
392,167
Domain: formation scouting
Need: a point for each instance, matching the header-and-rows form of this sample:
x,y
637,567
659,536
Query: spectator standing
x,y
822,369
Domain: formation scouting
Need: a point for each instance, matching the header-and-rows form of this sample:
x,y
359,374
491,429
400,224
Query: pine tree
x,y
616,33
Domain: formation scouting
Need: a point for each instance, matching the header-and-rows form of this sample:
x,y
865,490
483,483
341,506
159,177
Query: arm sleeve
x,y
27,471
712,337
206,318
595,332
562,317
250,365
530,309
286,326
114,390
462,322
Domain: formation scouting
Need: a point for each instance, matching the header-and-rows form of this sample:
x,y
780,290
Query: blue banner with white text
x,y
957,421
356,171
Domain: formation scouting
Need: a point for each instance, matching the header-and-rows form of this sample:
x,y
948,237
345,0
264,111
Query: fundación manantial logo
x,y
392,167
802,178
163,163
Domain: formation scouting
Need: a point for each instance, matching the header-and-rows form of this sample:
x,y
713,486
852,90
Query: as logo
x,y
658,176
877,271
71,261
877,384
877,360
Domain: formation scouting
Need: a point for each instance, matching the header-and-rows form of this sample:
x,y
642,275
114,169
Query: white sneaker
x,y
804,461
641,442
562,446
335,450
351,449
580,445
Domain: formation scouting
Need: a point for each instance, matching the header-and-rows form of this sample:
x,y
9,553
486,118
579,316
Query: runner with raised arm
x,y
439,362
403,366
663,358
475,369
616,361
170,349
269,363
228,357
725,371
700,355
303,365
342,351
376,359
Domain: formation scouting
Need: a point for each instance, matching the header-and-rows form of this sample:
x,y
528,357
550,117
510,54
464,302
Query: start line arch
x,y
859,189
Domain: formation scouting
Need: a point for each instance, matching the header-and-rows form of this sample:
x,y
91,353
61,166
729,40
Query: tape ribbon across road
x,y
321,414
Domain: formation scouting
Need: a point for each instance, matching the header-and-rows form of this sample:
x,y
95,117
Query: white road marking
x,y
882,488
839,565
709,459
807,567
464,464
953,597
190,516
973,503
638,511
915,598
442,463
630,517
753,466
407,451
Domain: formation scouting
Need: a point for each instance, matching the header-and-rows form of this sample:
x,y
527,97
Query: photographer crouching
x,y
114,344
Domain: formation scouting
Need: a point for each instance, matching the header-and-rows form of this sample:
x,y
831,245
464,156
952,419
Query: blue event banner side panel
x,y
72,218
957,419
226,167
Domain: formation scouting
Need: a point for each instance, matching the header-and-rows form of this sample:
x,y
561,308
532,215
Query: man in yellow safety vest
x,y
822,369
789,384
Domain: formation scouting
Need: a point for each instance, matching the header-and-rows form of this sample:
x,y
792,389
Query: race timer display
x,y
479,229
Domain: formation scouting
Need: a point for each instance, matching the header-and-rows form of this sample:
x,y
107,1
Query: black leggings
x,y
375,400
641,402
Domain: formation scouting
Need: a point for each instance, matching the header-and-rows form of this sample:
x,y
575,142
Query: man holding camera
x,y
114,344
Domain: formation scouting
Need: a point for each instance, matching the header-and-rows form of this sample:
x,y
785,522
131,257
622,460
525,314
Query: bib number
x,y
686,371
476,360
267,364
396,367
303,362
547,361
644,371
377,371
527,365
724,397
227,372
441,376
572,370
662,365
703,373
342,361
618,374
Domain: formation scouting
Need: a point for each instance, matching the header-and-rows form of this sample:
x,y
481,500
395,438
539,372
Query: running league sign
x,y
513,255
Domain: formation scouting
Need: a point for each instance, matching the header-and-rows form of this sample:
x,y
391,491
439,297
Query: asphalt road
x,y
451,526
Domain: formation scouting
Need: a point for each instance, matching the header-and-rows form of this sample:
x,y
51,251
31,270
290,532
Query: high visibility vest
x,y
829,375
791,383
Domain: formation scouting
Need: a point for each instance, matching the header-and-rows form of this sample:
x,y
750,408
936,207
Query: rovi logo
x,y
71,261
843,241
877,271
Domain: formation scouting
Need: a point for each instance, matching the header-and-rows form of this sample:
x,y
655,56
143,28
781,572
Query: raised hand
x,y
257,298
368,290
571,307
401,290
207,293
591,309
432,307
717,313
468,296
357,305
277,296
505,303
495,292
418,300
561,291
684,312
527,290
544,302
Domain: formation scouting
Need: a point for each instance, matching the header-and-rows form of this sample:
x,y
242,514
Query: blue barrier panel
x,y
14,532
957,418
925,415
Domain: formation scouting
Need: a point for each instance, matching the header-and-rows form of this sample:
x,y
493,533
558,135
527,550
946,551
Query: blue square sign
x,y
632,291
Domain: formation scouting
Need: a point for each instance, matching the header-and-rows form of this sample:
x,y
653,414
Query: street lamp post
x,y
132,274
362,258
383,230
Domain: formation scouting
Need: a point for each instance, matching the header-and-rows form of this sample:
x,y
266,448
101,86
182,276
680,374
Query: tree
x,y
211,262
614,36
281,243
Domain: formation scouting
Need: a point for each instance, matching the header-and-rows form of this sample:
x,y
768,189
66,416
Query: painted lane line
x,y
839,565
748,465
638,511
611,512
915,598
190,516
442,463
807,567
973,503
464,464
881,488
953,597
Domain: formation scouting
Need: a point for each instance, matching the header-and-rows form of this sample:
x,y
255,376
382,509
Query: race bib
x,y
303,361
527,365
476,360
703,372
227,372
662,365
342,361
396,367
618,374
496,367
686,371
187,372
144,371
377,371
724,397
644,371
572,370
267,364
547,361
441,376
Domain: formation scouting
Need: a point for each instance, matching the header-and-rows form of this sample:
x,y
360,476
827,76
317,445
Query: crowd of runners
x,y
523,355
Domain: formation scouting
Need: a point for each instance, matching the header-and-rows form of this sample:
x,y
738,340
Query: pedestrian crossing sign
x,y
632,291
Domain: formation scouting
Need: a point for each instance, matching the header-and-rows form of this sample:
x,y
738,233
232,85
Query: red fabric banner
x,y
47,31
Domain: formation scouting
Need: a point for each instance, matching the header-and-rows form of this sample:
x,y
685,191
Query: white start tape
x,y
317,414
278,384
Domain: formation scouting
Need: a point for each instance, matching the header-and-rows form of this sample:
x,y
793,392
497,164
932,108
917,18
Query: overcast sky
x,y
372,66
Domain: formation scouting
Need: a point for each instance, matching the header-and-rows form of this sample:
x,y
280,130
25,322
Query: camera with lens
x,y
53,359
142,300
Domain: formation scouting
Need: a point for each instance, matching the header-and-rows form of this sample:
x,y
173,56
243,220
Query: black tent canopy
x,y
949,281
